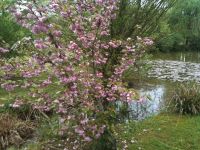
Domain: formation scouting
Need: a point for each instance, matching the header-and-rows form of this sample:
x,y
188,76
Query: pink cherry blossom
x,y
76,56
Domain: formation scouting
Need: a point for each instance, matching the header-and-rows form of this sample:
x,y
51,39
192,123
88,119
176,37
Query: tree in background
x,y
185,20
11,32
139,17
180,29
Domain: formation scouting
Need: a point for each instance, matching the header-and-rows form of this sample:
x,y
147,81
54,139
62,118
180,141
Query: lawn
x,y
162,132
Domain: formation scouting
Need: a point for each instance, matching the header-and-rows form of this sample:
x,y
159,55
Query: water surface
x,y
166,70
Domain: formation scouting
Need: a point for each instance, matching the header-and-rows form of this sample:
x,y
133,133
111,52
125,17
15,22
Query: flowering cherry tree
x,y
76,68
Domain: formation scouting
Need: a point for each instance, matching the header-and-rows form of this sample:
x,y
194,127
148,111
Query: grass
x,y
163,132
186,99
3,95
6,97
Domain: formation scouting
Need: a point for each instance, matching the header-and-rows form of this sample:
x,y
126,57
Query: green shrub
x,y
11,32
186,99
171,42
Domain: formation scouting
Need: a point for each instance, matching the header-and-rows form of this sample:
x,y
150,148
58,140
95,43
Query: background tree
x,y
185,19
11,32
139,17
180,28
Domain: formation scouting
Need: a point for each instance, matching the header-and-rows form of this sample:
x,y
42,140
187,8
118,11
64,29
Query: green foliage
x,y
186,99
139,18
48,128
11,32
171,42
139,70
105,142
184,17
180,29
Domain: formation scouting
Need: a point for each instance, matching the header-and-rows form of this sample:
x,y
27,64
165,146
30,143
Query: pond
x,y
166,70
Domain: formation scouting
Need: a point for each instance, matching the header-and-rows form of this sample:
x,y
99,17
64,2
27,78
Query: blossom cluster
x,y
3,50
77,67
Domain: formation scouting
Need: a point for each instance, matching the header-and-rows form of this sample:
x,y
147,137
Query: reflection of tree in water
x,y
149,103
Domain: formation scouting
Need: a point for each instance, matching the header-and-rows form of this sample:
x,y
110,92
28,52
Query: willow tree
x,y
139,17
185,20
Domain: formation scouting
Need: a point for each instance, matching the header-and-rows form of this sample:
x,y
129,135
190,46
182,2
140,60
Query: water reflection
x,y
185,56
149,103
166,69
